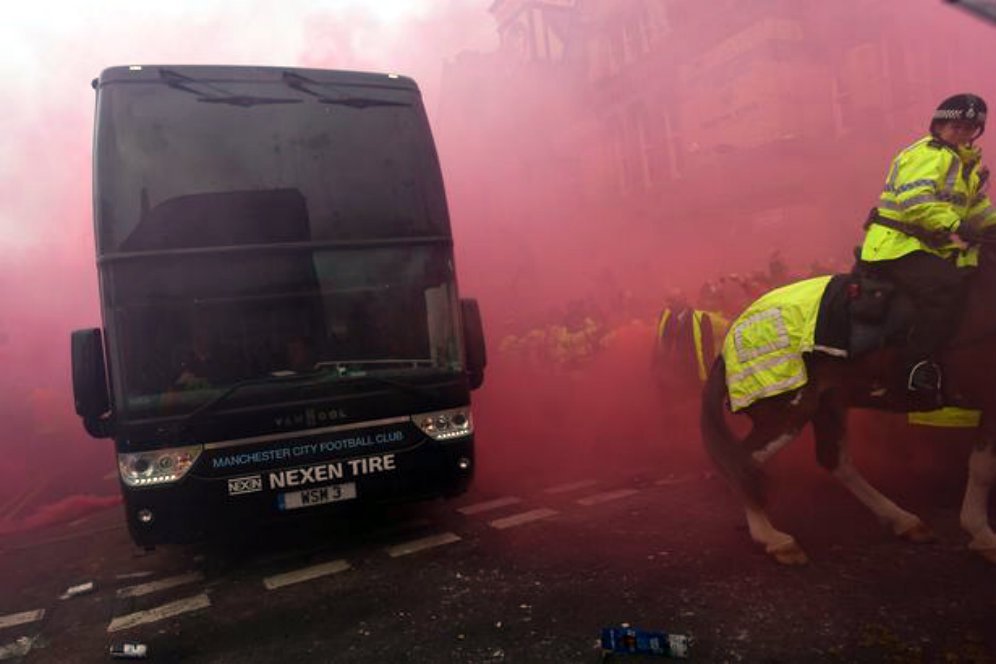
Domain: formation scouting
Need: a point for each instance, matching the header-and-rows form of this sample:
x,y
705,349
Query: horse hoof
x,y
789,554
918,533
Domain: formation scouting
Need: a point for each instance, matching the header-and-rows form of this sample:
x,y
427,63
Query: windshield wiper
x,y
359,367
303,84
356,369
361,102
213,404
323,372
246,101
299,83
217,95
415,390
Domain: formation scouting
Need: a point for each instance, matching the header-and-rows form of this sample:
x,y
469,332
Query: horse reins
x,y
933,239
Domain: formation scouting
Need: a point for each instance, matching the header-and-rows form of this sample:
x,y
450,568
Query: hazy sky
x,y
52,50
505,217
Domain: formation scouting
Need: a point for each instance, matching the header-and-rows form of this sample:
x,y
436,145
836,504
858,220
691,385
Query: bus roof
x,y
244,73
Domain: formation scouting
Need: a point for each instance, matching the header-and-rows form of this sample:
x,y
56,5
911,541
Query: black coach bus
x,y
282,330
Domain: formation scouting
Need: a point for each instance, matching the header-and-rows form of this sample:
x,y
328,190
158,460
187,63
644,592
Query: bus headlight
x,y
445,424
157,466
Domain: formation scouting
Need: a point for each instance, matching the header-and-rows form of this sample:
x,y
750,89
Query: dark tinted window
x,y
189,326
237,162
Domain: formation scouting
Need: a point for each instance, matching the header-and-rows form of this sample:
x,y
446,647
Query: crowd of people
x,y
683,334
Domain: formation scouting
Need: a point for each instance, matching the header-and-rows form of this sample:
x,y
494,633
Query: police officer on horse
x,y
934,197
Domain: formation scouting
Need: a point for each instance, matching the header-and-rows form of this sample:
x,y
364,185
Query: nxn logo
x,y
250,484
310,417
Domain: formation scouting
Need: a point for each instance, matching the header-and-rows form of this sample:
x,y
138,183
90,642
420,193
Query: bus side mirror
x,y
90,389
473,338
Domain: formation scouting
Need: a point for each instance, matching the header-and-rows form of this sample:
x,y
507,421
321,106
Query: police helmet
x,y
961,108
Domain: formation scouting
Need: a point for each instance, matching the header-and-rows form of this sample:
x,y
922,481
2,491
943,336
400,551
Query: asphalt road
x,y
523,572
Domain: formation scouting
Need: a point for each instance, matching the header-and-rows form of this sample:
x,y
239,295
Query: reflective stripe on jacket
x,y
763,350
935,187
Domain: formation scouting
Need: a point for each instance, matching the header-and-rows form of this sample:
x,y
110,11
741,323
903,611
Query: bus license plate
x,y
317,496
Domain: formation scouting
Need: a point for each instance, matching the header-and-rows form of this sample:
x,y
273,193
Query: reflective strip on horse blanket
x,y
763,350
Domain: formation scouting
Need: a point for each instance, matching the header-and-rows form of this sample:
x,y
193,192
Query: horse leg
x,y
763,442
829,429
779,545
740,459
974,507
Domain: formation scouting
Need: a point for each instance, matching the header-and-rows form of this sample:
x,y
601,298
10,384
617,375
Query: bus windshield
x,y
188,327
257,222
361,158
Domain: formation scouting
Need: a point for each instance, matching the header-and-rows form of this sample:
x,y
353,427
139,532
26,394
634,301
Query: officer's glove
x,y
967,233
957,242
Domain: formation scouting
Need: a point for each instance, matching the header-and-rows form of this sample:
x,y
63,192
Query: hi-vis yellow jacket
x,y
706,345
933,186
763,351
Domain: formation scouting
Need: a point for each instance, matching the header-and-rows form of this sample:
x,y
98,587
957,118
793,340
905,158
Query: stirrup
x,y
925,376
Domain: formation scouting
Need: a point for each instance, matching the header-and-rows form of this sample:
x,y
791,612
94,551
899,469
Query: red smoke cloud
x,y
528,242
48,279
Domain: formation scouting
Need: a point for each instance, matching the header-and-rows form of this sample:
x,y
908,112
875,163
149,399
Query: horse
x,y
836,384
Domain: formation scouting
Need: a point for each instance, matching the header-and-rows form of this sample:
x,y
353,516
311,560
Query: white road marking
x,y
21,618
606,497
305,574
18,648
422,544
524,517
572,486
132,575
170,610
161,584
489,505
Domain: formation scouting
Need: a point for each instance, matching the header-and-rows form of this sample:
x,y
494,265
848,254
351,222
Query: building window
x,y
843,107
645,169
615,148
515,41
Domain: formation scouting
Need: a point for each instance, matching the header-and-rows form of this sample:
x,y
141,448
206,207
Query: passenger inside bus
x,y
199,364
300,354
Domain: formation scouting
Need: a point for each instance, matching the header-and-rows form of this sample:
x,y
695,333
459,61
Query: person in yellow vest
x,y
687,342
934,197
720,313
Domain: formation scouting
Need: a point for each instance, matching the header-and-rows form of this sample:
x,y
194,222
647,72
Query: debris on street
x,y
81,589
631,640
129,651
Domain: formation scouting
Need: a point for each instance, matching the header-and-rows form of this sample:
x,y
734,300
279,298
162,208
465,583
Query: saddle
x,y
861,312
